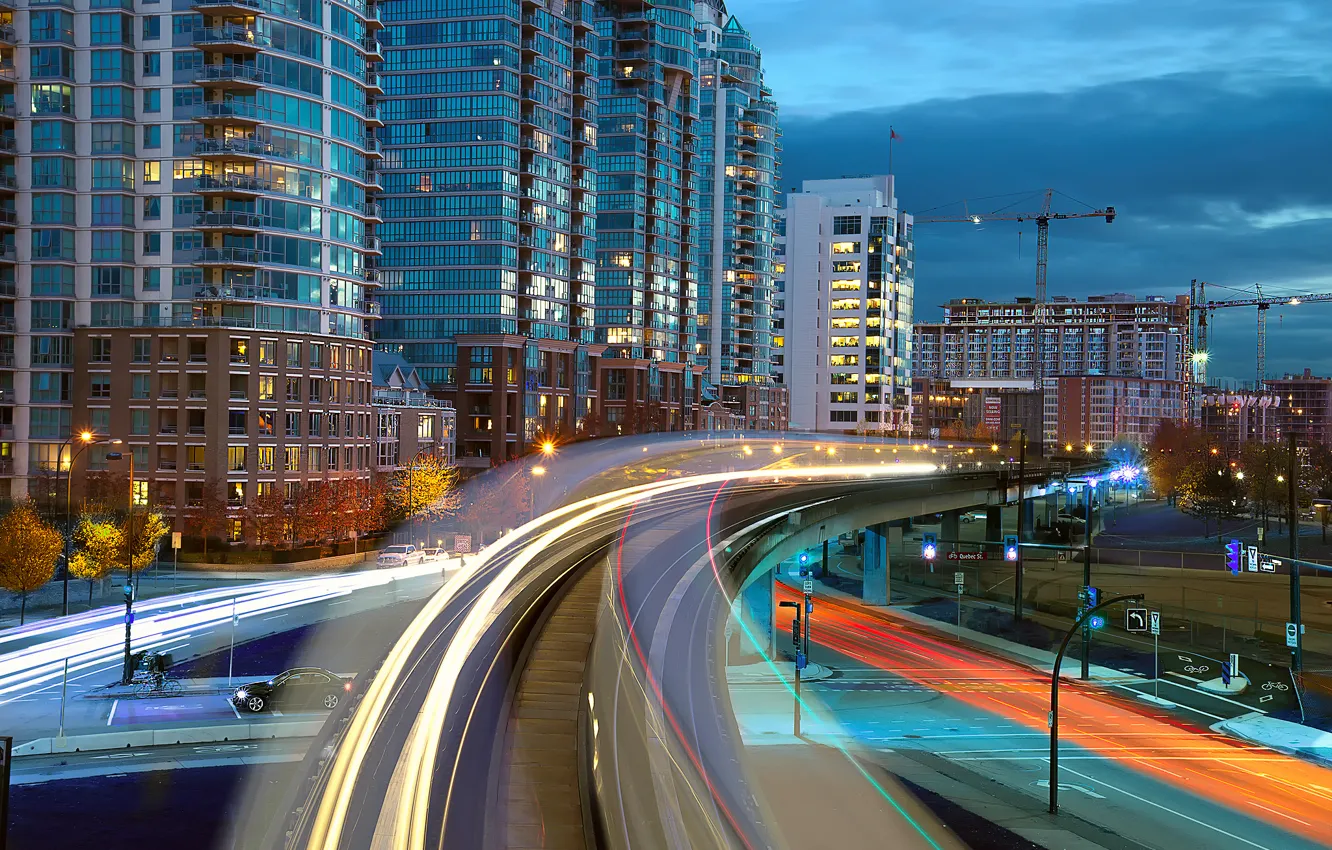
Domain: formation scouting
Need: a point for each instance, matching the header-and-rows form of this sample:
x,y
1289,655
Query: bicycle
x,y
155,684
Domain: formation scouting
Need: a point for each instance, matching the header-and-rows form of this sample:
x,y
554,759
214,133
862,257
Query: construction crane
x,y
1200,309
1042,217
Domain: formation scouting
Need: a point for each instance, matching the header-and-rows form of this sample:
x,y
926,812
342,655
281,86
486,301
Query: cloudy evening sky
x,y
1206,123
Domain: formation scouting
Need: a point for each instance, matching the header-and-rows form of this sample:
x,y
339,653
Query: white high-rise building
x,y
847,281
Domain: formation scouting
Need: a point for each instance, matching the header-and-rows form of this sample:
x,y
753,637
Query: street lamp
x,y
86,438
548,448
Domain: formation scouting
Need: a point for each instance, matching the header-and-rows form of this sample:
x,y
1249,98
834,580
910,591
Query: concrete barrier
x,y
130,739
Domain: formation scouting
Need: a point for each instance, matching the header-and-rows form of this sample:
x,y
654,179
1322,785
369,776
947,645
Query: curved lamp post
x,y
84,440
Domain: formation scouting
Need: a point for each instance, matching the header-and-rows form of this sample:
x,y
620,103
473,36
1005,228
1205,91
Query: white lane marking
x,y
274,617
112,715
1170,810
234,709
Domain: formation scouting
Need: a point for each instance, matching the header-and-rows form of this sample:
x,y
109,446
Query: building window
x,y
99,349
293,459
152,64
101,386
846,247
152,244
139,423
266,391
152,136
240,350
265,422
143,350
844,397
425,427
841,416
267,357
293,354
265,459
140,386
293,389
152,100
152,27
846,225
293,425
152,280
236,458
152,171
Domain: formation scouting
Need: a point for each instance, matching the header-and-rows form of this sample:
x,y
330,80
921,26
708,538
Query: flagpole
x,y
892,134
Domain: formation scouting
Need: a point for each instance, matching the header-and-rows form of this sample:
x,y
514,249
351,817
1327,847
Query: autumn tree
x,y
366,504
1264,466
100,544
1172,448
209,518
427,488
314,512
266,518
140,533
29,547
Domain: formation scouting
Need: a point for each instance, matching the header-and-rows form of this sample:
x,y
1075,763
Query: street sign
x,y
1156,622
809,586
1269,565
1062,557
1253,555
129,618
462,543
175,540
801,661
1292,635
959,579
1137,619
1262,533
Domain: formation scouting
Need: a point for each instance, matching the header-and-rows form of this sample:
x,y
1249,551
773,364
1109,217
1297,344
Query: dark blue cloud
x,y
1214,177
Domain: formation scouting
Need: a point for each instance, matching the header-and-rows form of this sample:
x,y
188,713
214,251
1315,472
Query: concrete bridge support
x,y
950,528
994,528
876,584
756,612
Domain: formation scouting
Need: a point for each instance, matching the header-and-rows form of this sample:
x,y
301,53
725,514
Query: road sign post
x,y
1156,652
175,558
1292,635
959,580
1089,596
1054,692
6,755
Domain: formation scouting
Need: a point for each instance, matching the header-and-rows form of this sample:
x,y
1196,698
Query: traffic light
x,y
803,561
1010,547
1093,596
929,546
1233,556
795,631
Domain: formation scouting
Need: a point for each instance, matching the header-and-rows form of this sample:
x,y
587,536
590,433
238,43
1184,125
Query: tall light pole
x,y
127,671
85,438
1021,506
1297,651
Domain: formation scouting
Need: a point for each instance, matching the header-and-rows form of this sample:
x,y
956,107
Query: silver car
x,y
400,555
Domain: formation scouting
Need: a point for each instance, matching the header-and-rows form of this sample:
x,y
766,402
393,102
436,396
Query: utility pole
x,y
127,670
1053,719
1090,491
796,634
1297,651
1021,510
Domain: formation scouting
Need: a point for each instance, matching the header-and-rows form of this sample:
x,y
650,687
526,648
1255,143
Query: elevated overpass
x,y
425,758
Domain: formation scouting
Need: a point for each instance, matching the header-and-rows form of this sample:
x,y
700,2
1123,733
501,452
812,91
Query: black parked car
x,y
298,688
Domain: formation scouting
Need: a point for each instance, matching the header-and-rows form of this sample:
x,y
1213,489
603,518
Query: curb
x,y
167,737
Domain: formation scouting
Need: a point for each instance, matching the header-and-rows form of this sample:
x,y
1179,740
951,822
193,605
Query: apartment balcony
x,y
8,183
373,149
373,180
371,245
231,112
7,33
233,148
8,144
240,39
372,116
243,186
233,222
372,19
372,212
234,77
7,255
372,83
371,308
374,50
235,258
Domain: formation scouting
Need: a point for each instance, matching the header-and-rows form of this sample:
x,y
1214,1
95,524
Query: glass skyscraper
x,y
739,144
490,200
647,262
187,215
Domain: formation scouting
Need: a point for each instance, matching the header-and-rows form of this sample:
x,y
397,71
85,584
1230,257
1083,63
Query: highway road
x,y
1128,767
417,759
